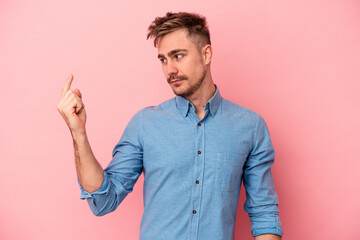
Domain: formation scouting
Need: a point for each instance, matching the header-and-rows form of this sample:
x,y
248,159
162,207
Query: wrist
x,y
268,237
78,134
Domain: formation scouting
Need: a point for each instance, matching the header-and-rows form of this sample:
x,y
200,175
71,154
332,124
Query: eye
x,y
162,60
178,56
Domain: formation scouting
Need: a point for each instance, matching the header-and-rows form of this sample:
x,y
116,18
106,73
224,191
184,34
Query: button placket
x,y
198,175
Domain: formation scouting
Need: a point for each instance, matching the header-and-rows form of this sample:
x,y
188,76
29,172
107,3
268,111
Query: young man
x,y
194,149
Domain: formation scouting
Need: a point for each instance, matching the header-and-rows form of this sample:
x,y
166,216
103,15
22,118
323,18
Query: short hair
x,y
194,24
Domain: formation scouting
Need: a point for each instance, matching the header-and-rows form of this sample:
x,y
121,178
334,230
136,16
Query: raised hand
x,y
71,107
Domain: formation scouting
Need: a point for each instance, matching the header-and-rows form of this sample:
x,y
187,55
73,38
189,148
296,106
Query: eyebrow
x,y
173,52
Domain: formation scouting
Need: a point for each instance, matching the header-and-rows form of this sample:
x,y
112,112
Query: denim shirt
x,y
193,170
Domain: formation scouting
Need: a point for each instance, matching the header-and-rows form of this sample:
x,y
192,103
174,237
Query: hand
x,y
71,107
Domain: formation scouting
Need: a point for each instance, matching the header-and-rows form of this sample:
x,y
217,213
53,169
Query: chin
x,y
179,91
184,94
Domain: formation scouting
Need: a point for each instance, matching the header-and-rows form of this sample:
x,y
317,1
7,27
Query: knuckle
x,y
68,92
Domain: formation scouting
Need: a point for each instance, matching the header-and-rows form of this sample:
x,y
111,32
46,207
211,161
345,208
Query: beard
x,y
191,89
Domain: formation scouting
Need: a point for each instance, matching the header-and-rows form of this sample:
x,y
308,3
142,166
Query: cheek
x,y
196,70
164,70
190,68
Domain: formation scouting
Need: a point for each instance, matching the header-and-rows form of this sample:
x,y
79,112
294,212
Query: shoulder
x,y
164,107
235,110
244,117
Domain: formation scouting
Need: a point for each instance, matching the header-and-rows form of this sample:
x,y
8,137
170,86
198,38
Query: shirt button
x,y
194,211
190,105
199,152
197,181
199,124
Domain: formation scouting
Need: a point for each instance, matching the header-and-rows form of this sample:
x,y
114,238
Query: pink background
x,y
297,63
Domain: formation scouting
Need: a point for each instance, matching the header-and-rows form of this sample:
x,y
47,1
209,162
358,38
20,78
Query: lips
x,y
176,80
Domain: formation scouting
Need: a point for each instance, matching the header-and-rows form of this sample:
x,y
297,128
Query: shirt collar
x,y
213,104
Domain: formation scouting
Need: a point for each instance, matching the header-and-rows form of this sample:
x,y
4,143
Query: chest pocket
x,y
228,171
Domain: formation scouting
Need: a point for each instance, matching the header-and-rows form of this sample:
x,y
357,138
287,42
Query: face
x,y
182,63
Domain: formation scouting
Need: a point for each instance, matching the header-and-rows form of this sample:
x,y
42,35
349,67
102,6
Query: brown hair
x,y
194,24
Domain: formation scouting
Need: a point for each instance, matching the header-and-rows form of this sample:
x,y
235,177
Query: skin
x,y
187,70
72,109
268,237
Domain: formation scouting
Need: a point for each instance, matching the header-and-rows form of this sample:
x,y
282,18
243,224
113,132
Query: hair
x,y
194,24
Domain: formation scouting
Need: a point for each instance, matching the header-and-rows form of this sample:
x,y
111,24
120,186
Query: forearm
x,y
88,169
268,237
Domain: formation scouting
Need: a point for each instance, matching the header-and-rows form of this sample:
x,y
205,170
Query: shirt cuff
x,y
103,189
267,230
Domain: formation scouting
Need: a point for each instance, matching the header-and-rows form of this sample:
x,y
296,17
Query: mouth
x,y
175,81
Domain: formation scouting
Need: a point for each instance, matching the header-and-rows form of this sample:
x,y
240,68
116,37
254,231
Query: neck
x,y
203,95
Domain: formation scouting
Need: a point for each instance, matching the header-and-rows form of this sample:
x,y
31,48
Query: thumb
x,y
77,92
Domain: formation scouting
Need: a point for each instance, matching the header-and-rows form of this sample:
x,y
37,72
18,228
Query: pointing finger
x,y
67,85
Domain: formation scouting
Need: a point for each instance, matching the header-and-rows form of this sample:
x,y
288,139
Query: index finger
x,y
67,85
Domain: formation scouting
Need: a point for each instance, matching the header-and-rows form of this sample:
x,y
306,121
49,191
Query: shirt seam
x,y
256,133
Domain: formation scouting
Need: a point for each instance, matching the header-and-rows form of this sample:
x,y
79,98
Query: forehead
x,y
175,40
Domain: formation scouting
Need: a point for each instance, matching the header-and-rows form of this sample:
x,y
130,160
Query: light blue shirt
x,y
193,171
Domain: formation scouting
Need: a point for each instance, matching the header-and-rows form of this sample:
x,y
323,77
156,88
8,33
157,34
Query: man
x,y
194,149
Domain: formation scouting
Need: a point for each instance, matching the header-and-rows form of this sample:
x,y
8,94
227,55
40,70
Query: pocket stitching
x,y
229,187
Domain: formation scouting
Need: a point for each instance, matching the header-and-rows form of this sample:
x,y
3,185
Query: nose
x,y
171,68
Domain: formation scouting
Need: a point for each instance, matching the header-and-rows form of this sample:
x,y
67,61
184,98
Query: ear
x,y
206,54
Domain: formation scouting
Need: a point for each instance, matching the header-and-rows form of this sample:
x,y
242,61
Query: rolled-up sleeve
x,y
261,198
122,172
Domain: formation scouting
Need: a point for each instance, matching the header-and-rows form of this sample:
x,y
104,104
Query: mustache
x,y
174,76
